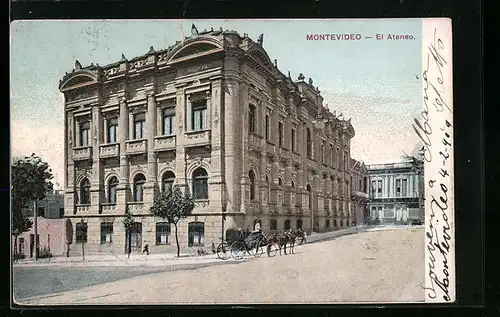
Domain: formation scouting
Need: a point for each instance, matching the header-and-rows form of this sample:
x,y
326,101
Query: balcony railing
x,y
270,148
296,157
109,150
255,140
273,208
82,153
165,143
201,203
284,153
137,146
108,208
136,207
356,193
82,208
198,138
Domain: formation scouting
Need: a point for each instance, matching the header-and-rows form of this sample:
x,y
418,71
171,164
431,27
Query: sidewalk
x,y
172,259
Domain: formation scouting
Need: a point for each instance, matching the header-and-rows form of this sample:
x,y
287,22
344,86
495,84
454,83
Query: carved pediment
x,y
195,49
76,80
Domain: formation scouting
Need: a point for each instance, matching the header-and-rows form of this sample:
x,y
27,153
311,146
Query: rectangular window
x,y
287,224
273,224
41,212
81,232
251,119
379,188
345,163
112,129
323,152
293,140
106,233
268,126
338,158
199,109
162,232
327,223
168,121
331,156
20,250
404,188
139,123
374,188
280,134
84,133
299,223
398,188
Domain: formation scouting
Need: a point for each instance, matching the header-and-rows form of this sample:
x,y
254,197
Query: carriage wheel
x,y
223,251
238,250
259,249
272,249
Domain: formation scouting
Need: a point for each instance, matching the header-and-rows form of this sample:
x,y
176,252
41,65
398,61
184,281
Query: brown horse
x,y
300,234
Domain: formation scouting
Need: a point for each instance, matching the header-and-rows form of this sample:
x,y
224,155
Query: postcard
x,y
240,162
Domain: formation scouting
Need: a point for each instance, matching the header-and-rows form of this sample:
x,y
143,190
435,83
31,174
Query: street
x,y
378,266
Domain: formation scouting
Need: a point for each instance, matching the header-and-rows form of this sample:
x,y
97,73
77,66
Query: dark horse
x,y
285,238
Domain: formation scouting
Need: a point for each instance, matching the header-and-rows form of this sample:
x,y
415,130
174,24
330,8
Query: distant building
x,y
53,235
51,207
359,194
396,192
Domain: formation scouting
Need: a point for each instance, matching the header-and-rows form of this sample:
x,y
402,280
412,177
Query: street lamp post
x,y
35,213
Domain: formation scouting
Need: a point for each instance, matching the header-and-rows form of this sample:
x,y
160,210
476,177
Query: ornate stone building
x,y
214,115
359,195
396,194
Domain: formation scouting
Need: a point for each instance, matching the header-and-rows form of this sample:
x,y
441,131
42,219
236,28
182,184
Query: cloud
x,y
45,139
383,125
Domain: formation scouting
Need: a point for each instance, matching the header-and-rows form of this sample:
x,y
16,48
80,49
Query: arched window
x,y
251,119
293,185
112,185
167,181
251,175
139,181
309,196
85,192
200,184
308,143
280,181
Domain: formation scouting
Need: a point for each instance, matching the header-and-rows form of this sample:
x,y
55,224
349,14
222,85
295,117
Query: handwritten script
x,y
435,130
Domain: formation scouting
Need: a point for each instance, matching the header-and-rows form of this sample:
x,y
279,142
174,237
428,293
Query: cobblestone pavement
x,y
376,266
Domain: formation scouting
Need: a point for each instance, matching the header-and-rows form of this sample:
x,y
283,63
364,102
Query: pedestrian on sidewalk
x,y
146,249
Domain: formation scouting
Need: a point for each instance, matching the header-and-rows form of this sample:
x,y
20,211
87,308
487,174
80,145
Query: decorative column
x,y
232,154
244,180
180,153
216,185
96,184
77,134
130,125
69,197
123,187
263,183
151,181
105,128
159,122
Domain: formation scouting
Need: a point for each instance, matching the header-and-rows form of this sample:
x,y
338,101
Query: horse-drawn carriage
x,y
239,242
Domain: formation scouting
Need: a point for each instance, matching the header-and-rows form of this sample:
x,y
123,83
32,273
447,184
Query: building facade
x,y
53,235
396,193
215,116
359,195
51,207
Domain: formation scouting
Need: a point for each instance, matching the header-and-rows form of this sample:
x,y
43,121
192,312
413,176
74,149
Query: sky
x,y
376,83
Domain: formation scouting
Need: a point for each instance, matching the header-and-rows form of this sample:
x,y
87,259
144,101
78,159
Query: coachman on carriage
x,y
240,241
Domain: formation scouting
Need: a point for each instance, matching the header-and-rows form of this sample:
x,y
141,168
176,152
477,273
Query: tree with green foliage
x,y
128,222
173,205
31,180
